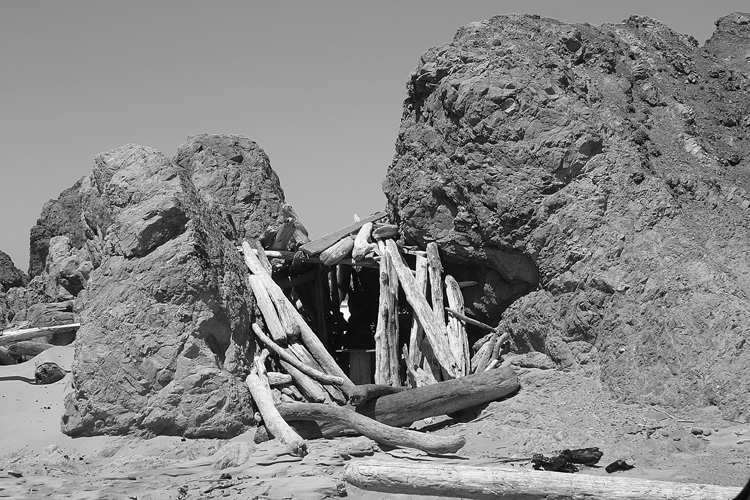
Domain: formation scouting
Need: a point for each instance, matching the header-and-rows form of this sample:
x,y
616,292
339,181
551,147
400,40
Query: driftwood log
x,y
374,430
308,259
267,309
338,251
317,246
404,408
311,389
491,483
386,331
308,337
457,338
31,333
365,392
28,348
289,358
416,335
435,331
260,390
363,242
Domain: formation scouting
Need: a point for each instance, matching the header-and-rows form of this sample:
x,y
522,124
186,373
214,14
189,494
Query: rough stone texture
x,y
235,178
165,336
602,176
10,276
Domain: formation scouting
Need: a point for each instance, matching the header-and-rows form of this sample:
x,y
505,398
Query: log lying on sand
x,y
365,392
404,408
374,430
31,333
492,483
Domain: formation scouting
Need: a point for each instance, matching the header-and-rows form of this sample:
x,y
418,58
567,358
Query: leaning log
x,y
405,408
260,390
289,358
416,335
435,331
308,337
490,483
9,336
457,338
374,430
267,309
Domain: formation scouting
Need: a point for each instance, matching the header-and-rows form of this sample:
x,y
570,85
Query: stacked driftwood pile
x,y
306,382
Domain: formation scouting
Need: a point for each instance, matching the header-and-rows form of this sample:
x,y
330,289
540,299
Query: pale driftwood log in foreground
x,y
492,483
267,309
435,331
374,430
283,354
9,336
311,341
457,338
260,390
404,408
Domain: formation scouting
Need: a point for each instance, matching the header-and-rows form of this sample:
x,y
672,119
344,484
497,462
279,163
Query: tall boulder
x,y
10,277
165,339
599,176
235,178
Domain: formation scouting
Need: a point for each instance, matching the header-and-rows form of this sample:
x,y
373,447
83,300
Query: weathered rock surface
x,y
234,177
599,178
165,336
10,277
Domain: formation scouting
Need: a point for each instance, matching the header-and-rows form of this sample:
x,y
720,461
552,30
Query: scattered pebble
x,y
696,431
743,441
706,432
665,433
675,439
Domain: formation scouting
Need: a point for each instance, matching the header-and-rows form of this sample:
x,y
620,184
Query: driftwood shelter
x,y
401,355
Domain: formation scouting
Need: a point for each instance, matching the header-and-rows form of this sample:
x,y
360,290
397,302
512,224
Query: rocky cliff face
x,y
595,181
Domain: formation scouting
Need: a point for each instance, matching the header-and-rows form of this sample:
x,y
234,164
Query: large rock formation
x,y
10,277
165,338
596,179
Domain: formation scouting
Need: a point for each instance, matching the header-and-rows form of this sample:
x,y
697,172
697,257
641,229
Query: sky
x,y
317,84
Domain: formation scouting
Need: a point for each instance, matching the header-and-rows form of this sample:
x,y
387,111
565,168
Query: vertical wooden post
x,y
320,305
457,338
386,332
